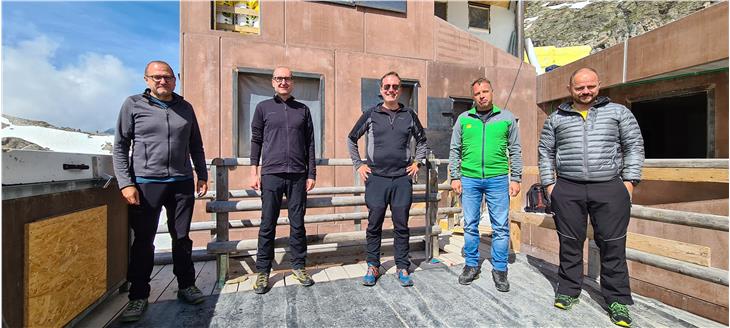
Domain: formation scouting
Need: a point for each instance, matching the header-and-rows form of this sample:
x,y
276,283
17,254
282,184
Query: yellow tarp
x,y
550,55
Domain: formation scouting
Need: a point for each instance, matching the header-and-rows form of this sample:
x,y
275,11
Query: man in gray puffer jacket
x,y
595,149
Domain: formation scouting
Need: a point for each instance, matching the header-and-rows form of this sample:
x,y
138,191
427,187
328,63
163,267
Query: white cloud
x,y
86,94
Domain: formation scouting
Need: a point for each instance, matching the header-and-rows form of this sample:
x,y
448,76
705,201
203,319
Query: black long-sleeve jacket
x,y
282,137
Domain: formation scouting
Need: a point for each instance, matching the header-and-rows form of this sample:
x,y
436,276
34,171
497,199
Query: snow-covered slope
x,y
58,140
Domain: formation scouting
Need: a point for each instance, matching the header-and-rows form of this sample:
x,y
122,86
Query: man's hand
x,y
201,188
630,189
310,184
364,170
514,188
550,189
412,169
456,186
131,195
255,178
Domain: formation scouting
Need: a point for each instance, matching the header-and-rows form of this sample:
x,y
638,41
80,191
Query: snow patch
x,y
58,140
571,5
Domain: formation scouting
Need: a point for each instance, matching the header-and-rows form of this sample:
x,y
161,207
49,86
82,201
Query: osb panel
x,y
201,54
324,25
195,17
454,45
408,35
608,63
694,40
65,266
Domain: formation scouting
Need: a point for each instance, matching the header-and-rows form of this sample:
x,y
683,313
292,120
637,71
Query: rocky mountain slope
x,y
600,24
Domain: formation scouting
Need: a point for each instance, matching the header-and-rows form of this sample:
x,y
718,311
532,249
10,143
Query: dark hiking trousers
x,y
379,193
178,200
609,206
273,188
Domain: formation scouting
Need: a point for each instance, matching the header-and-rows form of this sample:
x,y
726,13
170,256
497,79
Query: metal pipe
x,y
319,202
246,193
520,24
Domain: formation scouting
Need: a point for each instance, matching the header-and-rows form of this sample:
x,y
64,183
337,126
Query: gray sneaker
x,y
134,310
191,295
303,277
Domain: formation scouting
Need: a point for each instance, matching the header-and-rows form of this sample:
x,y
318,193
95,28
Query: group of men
x,y
590,158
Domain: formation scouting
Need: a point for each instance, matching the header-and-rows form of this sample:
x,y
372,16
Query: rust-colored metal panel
x,y
406,35
201,78
324,25
694,40
452,80
608,63
456,46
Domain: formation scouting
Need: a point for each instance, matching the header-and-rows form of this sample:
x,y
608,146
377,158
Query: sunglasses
x,y
395,87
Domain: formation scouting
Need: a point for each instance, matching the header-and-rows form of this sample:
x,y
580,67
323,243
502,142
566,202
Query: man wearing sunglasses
x,y
162,130
485,161
388,173
282,139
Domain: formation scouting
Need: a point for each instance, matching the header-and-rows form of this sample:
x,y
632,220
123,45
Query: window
x,y
440,9
237,16
252,86
479,16
658,117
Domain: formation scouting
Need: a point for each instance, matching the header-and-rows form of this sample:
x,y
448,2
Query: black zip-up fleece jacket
x,y
389,137
164,140
283,132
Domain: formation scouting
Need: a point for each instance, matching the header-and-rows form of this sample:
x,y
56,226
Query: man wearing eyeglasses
x,y
485,161
162,130
282,139
388,173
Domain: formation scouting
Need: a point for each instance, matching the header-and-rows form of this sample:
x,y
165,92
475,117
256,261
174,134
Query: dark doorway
x,y
675,127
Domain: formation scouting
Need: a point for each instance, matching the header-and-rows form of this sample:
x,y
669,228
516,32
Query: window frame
x,y
479,6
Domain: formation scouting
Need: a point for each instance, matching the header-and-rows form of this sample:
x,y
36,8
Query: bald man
x,y
282,141
162,130
595,149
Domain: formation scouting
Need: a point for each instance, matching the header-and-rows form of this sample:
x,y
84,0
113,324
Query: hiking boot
x,y
500,280
469,274
404,278
565,302
261,285
619,314
134,310
371,277
191,295
303,277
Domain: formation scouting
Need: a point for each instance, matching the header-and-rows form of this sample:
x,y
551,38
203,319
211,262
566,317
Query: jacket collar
x,y
279,100
599,102
495,110
379,108
147,94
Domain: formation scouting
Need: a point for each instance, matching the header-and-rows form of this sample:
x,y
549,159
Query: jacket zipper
x,y
286,118
167,119
585,143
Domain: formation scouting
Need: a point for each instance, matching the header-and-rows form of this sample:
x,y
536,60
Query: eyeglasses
x,y
159,78
280,79
395,87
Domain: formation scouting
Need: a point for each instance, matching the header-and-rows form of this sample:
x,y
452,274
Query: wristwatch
x,y
634,182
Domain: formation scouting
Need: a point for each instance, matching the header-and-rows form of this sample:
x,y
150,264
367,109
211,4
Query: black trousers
x,y
379,193
273,188
178,200
609,206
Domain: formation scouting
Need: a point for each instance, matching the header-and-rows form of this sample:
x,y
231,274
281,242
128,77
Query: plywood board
x,y
65,265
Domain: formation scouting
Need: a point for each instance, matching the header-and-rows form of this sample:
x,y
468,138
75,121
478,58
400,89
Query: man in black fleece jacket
x,y
389,172
282,138
162,130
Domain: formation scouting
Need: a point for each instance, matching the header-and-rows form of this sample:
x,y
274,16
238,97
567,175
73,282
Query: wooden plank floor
x,y
241,277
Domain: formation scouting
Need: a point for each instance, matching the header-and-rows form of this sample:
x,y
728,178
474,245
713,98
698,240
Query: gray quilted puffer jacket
x,y
606,144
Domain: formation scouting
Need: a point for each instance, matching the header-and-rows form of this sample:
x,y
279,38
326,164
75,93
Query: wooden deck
x,y
338,300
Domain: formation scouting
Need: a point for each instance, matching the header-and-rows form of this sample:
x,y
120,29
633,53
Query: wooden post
x,y
220,172
515,227
431,239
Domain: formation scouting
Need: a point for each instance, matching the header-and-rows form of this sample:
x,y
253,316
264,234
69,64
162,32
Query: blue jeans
x,y
496,190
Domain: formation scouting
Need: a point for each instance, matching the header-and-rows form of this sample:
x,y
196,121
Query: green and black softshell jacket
x,y
480,149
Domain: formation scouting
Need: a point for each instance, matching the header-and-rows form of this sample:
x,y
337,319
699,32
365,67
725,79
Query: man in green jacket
x,y
485,160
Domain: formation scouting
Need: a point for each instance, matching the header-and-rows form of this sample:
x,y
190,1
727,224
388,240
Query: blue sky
x,y
73,63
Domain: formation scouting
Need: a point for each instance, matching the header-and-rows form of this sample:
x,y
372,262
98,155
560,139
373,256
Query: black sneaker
x,y
619,314
303,277
469,274
500,280
191,295
565,302
134,311
261,285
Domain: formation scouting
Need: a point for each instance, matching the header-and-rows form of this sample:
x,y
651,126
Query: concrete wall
x,y
344,45
667,61
501,23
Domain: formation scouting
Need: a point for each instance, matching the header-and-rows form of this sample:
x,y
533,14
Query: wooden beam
x,y
715,275
685,174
